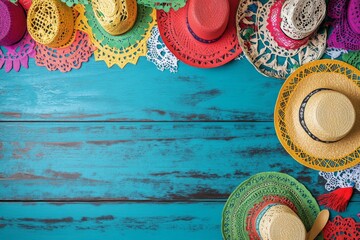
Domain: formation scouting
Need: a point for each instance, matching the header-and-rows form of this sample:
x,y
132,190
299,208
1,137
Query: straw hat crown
x,y
115,16
329,115
51,23
300,18
279,222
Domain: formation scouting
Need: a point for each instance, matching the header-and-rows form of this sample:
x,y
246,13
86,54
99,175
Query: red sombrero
x,y
203,33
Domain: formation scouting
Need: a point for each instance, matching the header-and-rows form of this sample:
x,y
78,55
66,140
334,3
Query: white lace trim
x,y
342,179
335,52
159,54
241,56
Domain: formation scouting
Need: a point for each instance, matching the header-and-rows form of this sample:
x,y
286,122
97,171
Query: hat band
x,y
261,215
197,37
302,115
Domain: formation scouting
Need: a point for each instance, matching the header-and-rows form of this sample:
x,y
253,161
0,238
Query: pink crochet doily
x,y
341,229
17,55
65,59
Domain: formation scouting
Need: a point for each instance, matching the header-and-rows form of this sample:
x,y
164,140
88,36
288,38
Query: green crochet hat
x,y
252,198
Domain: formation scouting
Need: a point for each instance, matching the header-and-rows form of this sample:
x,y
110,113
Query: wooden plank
x,y
234,92
116,221
139,161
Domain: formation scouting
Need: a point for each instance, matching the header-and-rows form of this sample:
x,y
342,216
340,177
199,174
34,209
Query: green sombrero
x,y
260,191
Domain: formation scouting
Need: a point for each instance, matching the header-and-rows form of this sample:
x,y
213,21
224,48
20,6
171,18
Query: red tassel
x,y
338,199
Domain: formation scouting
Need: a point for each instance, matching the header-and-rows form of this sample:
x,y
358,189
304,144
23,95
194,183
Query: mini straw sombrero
x,y
317,116
51,23
269,206
346,32
118,29
277,36
203,33
12,23
116,17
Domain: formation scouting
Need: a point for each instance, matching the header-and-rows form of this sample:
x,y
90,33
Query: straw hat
x,y
202,33
116,17
51,23
269,206
12,23
346,32
277,36
317,117
121,49
278,221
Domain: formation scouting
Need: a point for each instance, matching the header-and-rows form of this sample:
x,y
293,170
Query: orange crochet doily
x,y
65,59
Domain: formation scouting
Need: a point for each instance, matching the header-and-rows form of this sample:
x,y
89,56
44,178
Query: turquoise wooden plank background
x,y
134,153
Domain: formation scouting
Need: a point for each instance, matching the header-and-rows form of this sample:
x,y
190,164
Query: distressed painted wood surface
x,y
136,153
81,221
139,161
236,92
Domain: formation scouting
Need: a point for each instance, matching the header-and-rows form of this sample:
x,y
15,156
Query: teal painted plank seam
x,y
139,161
176,221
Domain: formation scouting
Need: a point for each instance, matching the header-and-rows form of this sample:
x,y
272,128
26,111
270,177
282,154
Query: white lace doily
x,y
241,56
342,179
335,52
159,54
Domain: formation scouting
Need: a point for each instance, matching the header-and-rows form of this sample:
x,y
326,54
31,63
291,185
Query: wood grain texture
x,y
139,161
83,221
235,92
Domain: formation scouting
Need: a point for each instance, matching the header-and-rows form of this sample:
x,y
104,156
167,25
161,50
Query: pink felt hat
x,y
346,32
12,22
203,33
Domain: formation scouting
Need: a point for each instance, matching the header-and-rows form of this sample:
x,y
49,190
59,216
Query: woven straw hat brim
x,y
327,157
253,191
177,37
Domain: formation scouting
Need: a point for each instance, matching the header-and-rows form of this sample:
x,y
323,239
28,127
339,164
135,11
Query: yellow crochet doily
x,y
111,55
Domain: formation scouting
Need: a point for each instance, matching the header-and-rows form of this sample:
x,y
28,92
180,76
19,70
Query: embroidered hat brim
x,y
261,48
255,193
180,41
329,74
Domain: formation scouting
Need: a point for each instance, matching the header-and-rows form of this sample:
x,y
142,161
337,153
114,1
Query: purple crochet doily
x,y
343,35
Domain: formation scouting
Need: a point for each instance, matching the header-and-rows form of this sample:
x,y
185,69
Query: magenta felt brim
x,y
12,22
177,37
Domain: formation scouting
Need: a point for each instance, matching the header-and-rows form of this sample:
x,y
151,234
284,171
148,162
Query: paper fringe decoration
x,y
353,58
17,55
165,5
71,3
